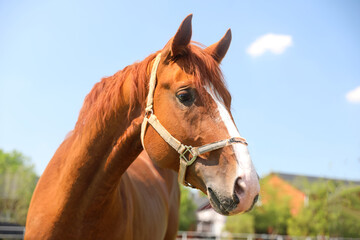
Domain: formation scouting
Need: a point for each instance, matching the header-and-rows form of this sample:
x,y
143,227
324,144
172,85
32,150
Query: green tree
x,y
313,219
187,210
241,223
345,205
17,183
272,215
333,210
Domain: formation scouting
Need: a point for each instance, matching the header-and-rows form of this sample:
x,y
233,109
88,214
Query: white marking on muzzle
x,y
245,168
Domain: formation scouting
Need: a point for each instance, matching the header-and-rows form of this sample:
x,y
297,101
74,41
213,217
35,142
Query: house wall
x,y
210,221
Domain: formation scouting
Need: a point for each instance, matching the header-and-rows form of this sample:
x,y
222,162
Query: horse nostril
x,y
256,199
239,190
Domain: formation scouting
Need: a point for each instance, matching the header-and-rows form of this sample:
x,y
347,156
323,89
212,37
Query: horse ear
x,y
182,37
219,49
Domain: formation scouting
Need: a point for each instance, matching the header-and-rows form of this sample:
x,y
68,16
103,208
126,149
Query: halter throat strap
x,y
188,154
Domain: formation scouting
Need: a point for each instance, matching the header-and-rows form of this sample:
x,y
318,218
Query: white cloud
x,y
354,95
274,43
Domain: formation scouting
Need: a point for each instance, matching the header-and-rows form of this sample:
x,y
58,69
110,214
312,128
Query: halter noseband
x,y
182,149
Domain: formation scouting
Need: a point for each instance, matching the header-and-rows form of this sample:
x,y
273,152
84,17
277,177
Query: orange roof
x,y
284,190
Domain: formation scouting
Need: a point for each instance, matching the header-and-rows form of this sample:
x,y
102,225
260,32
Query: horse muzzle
x,y
241,199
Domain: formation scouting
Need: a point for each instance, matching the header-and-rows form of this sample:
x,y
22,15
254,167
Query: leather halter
x,y
183,150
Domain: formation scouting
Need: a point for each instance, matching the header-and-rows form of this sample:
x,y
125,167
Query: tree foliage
x,y
17,183
333,210
242,223
187,210
272,214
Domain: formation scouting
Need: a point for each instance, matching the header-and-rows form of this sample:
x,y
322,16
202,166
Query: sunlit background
x,y
293,69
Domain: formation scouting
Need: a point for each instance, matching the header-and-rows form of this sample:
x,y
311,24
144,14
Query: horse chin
x,y
218,207
216,204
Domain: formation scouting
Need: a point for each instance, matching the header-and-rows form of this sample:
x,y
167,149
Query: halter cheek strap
x,y
183,150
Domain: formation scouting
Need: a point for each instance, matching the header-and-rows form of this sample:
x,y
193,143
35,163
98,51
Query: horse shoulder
x,y
154,196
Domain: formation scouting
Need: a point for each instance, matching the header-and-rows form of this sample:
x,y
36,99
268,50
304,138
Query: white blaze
x,y
245,167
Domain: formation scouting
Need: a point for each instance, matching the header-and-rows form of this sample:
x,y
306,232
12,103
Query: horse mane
x,y
105,99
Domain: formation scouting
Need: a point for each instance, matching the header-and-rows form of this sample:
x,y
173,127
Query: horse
x,y
166,117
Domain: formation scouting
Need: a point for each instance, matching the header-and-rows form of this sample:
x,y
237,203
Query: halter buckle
x,y
184,163
188,149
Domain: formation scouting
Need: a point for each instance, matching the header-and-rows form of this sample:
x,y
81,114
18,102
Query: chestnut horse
x,y
97,186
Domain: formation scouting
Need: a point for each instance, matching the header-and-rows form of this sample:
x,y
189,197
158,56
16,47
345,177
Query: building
x,y
208,220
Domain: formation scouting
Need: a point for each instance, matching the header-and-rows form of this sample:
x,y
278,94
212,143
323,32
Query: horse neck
x,y
100,149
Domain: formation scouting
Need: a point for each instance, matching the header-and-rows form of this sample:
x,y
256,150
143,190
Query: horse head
x,y
190,101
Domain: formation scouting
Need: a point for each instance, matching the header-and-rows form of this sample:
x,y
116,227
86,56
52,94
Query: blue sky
x,y
290,104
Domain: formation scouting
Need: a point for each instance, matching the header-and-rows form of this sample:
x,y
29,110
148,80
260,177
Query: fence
x,y
246,236
12,232
17,232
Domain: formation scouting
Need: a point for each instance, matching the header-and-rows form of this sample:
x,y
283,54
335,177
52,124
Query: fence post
x,y
184,236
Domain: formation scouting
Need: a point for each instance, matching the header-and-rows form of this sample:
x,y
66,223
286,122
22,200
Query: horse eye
x,y
185,97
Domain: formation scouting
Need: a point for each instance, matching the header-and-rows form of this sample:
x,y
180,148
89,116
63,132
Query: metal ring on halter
x,y
188,149
148,111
